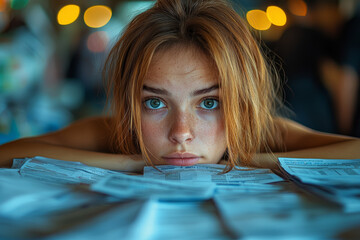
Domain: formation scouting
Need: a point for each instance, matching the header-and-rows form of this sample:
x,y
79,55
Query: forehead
x,y
179,65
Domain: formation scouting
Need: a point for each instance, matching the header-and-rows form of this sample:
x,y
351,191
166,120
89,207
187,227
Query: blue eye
x,y
209,104
154,103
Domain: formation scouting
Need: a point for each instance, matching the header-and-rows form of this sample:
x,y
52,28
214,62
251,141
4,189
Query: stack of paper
x,y
279,215
211,173
60,172
21,198
113,183
337,180
150,220
198,202
128,220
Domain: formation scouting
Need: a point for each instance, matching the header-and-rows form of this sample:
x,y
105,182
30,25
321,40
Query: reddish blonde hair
x,y
247,89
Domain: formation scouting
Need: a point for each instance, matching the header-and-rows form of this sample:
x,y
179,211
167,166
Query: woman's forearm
x,y
23,148
344,150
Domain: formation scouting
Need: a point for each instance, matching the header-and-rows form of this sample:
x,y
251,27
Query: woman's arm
x,y
85,141
302,142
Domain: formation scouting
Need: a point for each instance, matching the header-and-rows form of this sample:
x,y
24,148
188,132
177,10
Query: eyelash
x,y
163,102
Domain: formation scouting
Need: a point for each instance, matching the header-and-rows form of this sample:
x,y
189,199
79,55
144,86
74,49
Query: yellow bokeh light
x,y
258,19
68,14
297,7
2,5
97,16
276,15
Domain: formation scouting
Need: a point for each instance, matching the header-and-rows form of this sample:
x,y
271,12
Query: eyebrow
x,y
205,90
166,93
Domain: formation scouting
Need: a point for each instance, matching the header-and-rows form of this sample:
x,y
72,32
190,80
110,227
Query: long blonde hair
x,y
248,93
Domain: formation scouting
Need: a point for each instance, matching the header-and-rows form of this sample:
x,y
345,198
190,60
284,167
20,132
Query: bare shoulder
x,y
296,136
88,134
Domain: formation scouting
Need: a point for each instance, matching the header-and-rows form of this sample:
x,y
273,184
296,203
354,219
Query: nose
x,y
181,128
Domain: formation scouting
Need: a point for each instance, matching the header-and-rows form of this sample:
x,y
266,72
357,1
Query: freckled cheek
x,y
211,128
213,139
151,129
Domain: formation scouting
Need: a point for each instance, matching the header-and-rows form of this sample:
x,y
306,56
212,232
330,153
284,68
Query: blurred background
x,y
52,54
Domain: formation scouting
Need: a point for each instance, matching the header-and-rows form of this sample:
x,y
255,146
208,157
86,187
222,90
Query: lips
x,y
181,159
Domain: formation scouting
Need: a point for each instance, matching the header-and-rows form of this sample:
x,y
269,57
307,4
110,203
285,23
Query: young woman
x,y
188,84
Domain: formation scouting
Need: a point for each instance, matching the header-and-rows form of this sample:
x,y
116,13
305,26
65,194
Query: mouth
x,y
181,159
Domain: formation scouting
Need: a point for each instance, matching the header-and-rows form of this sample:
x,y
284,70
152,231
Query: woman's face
x,y
182,123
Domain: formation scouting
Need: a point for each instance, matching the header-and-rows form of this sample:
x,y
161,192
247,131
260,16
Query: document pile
x,y
280,215
59,172
42,198
113,183
336,180
21,197
69,200
150,220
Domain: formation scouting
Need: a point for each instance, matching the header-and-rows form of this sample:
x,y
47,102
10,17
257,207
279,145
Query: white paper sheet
x,y
337,180
62,172
132,220
279,216
329,171
187,220
211,173
22,197
125,186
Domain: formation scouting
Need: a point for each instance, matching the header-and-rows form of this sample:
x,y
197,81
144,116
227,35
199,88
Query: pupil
x,y
209,103
155,103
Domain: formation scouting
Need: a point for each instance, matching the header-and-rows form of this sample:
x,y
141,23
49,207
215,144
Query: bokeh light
x,y
97,41
68,14
2,5
297,7
18,4
97,16
258,19
276,15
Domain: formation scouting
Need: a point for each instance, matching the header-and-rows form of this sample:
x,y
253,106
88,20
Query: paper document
x,y
330,171
62,172
211,173
22,197
279,215
187,220
18,162
129,220
125,186
337,180
247,188
9,172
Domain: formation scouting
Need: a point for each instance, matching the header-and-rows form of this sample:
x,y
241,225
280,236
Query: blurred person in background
x,y
30,76
350,62
319,90
48,77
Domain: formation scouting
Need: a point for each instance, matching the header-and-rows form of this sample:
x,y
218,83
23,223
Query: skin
x,y
177,118
180,126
